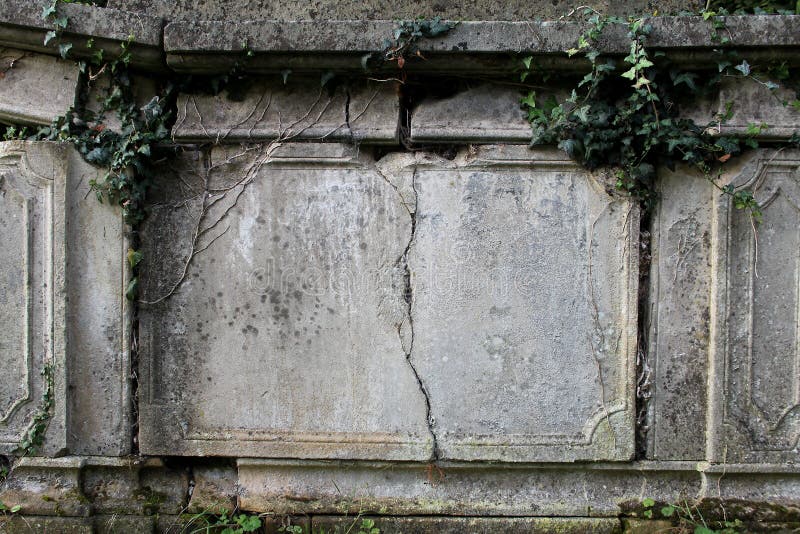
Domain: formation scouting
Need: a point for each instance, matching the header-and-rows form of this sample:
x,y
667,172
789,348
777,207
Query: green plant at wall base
x,y
623,115
8,510
687,518
34,436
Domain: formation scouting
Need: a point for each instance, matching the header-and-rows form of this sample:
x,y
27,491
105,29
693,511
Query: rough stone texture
x,y
22,26
300,291
270,109
676,371
214,489
35,89
523,273
484,114
116,524
117,486
755,414
98,327
37,525
46,487
286,487
459,525
63,303
373,9
472,47
33,185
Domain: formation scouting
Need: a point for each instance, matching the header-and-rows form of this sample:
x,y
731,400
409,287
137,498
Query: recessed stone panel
x,y
62,305
523,272
284,336
756,357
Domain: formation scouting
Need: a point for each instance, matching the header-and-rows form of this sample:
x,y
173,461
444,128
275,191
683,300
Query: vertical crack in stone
x,y
644,391
408,296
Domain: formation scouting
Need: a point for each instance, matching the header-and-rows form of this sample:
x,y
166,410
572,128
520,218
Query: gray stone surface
x,y
267,108
484,114
459,525
524,282
676,370
283,339
214,489
474,47
377,9
22,26
473,489
33,185
62,305
98,326
46,487
755,415
287,277
35,89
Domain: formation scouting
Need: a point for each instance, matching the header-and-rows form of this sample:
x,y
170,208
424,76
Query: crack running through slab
x,y
408,296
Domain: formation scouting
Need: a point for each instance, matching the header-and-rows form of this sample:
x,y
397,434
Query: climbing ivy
x,y
626,115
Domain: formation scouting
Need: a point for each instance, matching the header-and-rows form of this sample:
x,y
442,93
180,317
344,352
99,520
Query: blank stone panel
x,y
756,357
524,278
330,299
32,288
284,338
61,304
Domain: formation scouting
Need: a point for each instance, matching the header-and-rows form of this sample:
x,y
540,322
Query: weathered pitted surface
x,y
377,9
271,108
301,294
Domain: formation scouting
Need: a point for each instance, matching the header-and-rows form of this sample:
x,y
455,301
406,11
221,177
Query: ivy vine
x,y
626,116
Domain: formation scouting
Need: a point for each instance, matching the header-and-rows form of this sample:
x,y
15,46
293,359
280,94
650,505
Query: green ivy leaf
x,y
648,502
667,511
743,67
63,49
49,36
629,74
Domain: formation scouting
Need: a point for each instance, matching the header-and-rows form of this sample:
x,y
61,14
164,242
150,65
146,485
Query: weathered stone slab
x,y
372,9
62,306
44,486
271,109
35,89
485,114
523,274
458,525
755,410
592,489
98,322
751,103
283,338
675,372
33,182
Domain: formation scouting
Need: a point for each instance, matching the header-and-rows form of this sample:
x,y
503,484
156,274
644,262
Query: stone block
x,y
754,414
214,489
33,186
268,108
458,525
121,524
483,114
35,89
753,103
283,337
38,524
63,307
523,282
473,489
46,486
675,372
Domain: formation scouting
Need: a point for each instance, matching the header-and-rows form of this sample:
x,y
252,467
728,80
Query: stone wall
x,y
374,299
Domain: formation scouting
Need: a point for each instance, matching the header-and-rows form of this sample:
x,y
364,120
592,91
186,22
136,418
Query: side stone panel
x,y
674,375
33,292
62,307
756,352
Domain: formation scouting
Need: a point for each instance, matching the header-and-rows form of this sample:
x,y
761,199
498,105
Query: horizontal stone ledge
x,y
208,46
22,27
